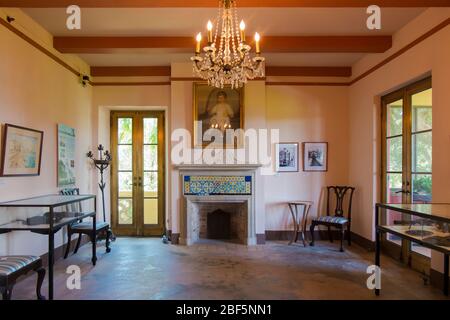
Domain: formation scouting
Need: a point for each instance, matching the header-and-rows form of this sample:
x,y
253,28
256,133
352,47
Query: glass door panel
x,y
151,210
394,162
421,153
125,170
137,191
407,161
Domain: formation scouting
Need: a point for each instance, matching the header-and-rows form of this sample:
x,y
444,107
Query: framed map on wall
x,y
21,152
66,156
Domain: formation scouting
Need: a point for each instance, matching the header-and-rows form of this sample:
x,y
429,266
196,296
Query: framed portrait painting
x,y
21,152
217,109
315,156
286,157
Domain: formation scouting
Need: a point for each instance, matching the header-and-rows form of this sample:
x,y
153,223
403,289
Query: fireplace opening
x,y
218,225
220,221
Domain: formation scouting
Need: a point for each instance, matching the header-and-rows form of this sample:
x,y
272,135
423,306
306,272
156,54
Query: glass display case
x,y
47,223
427,225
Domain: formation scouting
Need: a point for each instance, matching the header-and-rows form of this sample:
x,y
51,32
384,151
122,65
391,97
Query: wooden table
x,y
51,202
299,224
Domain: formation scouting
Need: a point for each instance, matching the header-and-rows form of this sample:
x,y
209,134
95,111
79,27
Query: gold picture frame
x,y
205,98
21,151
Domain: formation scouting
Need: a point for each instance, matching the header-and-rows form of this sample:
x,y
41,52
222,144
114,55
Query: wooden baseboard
x,y
367,244
286,235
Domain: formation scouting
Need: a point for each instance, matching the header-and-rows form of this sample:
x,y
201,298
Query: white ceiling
x,y
189,21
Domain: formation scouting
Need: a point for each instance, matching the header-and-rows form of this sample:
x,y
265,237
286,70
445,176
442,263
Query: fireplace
x,y
218,203
221,221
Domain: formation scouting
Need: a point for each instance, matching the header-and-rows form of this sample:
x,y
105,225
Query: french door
x,y
137,186
407,161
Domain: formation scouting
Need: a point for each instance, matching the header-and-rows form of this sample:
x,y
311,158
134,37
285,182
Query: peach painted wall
x,y
301,114
429,57
314,114
132,98
182,117
37,92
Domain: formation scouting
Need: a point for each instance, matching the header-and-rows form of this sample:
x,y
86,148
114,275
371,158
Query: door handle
x,y
404,191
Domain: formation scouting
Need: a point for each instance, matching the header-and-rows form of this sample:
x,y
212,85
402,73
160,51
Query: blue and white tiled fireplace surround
x,y
231,188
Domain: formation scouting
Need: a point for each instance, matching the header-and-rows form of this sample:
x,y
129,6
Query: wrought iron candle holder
x,y
102,163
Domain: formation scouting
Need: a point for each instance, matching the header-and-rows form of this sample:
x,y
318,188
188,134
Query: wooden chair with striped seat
x,y
81,227
12,267
343,197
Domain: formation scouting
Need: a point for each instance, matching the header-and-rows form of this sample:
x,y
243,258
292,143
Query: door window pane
x,y
422,112
150,131
395,118
125,211
151,211
125,130
394,186
422,152
125,185
150,184
422,186
125,158
150,158
395,154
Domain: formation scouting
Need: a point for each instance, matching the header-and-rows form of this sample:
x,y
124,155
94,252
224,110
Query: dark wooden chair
x,y
343,196
81,227
12,267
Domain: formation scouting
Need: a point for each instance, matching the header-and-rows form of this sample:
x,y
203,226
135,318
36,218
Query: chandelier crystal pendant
x,y
227,59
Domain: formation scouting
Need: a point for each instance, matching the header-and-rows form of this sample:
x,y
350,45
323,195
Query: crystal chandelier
x,y
226,60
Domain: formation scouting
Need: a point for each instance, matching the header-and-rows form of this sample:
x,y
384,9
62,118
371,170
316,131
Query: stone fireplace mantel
x,y
205,185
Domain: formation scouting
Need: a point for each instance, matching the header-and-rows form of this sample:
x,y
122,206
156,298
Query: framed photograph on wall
x,y
286,157
315,156
21,152
66,156
219,109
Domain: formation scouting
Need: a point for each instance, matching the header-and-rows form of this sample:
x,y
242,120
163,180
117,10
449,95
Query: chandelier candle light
x,y
226,60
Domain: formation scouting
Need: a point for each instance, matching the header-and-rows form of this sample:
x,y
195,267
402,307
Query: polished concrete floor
x,y
145,268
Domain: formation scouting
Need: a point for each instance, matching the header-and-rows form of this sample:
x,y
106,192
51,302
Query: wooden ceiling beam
x,y
308,71
316,44
113,44
131,71
165,71
214,3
